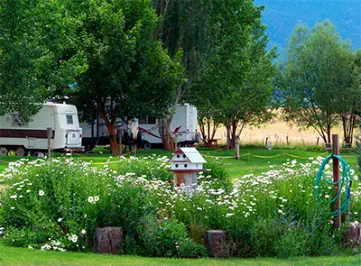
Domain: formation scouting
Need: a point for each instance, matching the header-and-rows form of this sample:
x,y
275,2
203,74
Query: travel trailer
x,y
96,133
22,137
183,129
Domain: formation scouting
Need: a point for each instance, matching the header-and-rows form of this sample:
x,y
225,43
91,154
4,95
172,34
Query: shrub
x,y
163,239
190,249
25,237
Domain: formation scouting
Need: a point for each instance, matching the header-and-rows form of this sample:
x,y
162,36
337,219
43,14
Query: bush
x,y
24,237
163,239
190,249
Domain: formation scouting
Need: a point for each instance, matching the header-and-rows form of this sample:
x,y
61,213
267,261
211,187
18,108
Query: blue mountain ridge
x,y
281,17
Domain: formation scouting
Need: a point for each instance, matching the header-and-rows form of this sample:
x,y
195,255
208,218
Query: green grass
x,y
246,165
22,256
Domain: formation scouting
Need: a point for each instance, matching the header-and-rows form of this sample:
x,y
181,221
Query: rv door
x,y
73,137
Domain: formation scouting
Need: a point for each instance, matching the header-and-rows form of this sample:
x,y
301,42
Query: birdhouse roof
x,y
192,155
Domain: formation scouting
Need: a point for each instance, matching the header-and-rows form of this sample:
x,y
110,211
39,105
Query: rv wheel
x,y
147,146
20,151
3,151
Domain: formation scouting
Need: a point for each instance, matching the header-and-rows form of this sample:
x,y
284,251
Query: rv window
x,y
69,119
17,122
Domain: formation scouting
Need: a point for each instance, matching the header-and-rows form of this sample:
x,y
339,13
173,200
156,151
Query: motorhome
x,y
183,129
21,137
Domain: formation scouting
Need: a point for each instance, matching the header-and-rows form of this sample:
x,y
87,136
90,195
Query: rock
x,y
108,240
216,243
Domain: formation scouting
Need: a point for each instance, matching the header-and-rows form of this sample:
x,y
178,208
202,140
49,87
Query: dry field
x,y
277,132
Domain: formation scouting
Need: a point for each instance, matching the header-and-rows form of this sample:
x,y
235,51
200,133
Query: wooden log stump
x,y
352,236
216,243
108,240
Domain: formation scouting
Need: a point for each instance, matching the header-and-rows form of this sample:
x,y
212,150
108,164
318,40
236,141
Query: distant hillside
x,y
281,16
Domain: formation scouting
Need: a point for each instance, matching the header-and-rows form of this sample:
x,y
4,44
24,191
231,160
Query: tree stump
x,y
352,236
216,243
108,240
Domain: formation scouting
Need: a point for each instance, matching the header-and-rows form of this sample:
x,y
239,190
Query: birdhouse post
x,y
186,164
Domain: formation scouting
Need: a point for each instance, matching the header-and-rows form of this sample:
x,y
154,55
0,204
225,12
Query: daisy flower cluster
x,y
75,197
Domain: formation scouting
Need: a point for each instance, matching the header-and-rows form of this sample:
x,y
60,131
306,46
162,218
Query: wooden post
x,y
336,176
48,132
236,148
120,131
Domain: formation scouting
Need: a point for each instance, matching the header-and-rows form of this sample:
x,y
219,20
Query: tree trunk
x,y
214,129
329,133
348,124
234,132
209,129
228,128
201,127
114,148
164,131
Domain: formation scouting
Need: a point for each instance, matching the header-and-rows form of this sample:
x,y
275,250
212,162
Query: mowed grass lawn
x,y
23,256
252,160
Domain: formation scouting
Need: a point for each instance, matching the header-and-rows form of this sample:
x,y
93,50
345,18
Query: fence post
x,y
48,132
336,177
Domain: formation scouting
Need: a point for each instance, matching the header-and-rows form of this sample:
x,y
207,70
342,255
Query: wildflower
x,y
280,211
60,219
83,232
199,208
327,196
229,214
30,247
90,199
41,193
13,197
73,238
96,198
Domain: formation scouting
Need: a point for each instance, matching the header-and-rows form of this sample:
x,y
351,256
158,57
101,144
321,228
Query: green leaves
x,y
126,65
317,77
37,36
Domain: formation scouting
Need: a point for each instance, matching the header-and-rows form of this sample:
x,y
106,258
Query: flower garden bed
x,y
58,204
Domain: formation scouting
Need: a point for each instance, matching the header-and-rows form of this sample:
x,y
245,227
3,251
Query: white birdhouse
x,y
186,163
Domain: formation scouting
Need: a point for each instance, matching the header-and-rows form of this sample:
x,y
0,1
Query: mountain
x,y
281,17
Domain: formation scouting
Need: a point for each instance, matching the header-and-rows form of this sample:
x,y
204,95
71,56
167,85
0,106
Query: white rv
x,y
21,137
183,127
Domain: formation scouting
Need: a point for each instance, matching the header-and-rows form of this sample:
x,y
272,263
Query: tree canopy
x,y
129,73
35,36
318,73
